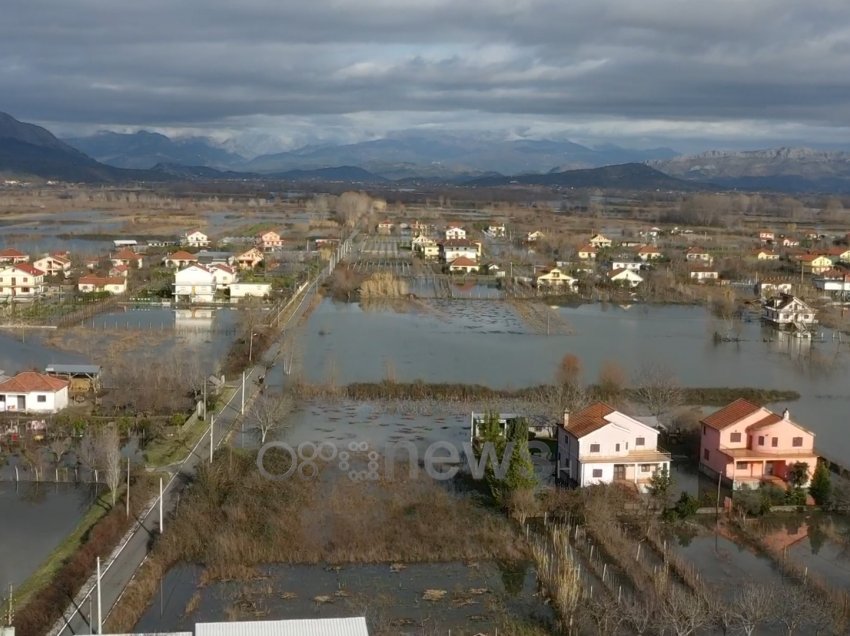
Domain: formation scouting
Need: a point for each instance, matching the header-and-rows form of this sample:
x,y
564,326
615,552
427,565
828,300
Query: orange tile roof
x,y
30,381
462,261
730,414
126,255
589,419
773,418
181,255
29,269
11,252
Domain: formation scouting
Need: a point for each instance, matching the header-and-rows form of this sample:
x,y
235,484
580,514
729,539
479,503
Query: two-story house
x,y
745,443
223,275
195,284
269,240
179,259
249,259
624,278
53,264
786,310
11,256
698,255
600,241
455,248
496,231
586,252
455,233
21,282
814,263
649,253
703,273
127,257
196,239
600,445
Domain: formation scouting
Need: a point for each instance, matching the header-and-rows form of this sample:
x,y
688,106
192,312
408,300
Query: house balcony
x,y
648,456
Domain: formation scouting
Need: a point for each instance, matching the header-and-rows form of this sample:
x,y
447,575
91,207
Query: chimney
x,y
566,418
786,415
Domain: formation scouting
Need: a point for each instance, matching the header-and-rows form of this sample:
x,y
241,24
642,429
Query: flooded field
x,y
467,598
35,520
487,343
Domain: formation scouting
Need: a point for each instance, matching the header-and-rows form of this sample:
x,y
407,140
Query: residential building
x,y
788,241
431,251
119,270
586,252
698,255
195,284
600,241
745,444
814,263
455,248
207,257
834,281
127,257
839,254
84,378
118,243
269,240
249,259
625,278
649,253
179,259
385,227
32,392
703,273
600,445
420,240
764,254
196,239
250,290
496,231
223,275
113,284
53,264
635,266
555,279
91,264
495,270
533,237
774,285
21,282
464,265
12,256
767,236
454,233
786,310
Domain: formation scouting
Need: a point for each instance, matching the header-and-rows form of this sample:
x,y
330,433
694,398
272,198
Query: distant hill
x,y
627,176
779,169
448,156
341,173
27,150
143,150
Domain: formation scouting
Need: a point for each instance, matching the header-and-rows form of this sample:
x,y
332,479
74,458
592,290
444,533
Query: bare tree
x,y
753,605
683,613
657,388
605,614
269,412
611,381
792,607
59,447
108,444
640,616
569,370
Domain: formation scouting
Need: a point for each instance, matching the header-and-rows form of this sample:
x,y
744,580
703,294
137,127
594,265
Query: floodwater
x,y
36,518
487,343
39,233
475,596
21,349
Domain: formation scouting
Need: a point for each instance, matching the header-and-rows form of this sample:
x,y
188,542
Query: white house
x,y
463,265
252,290
180,258
223,275
31,392
600,241
127,257
496,231
455,233
53,264
833,281
21,281
249,259
698,255
111,284
786,310
625,277
703,273
634,266
431,251
196,239
555,279
12,256
600,445
195,284
533,237
457,248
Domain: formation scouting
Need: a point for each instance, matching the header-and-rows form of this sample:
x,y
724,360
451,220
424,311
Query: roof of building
x,y
808,258
621,270
126,255
181,255
767,420
459,243
102,280
462,261
355,626
648,249
29,381
11,252
73,369
587,248
29,269
696,250
589,419
730,414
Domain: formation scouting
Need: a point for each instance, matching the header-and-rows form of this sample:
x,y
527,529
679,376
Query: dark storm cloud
x,y
209,63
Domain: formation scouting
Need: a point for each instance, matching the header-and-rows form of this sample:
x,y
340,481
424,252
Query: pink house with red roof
x,y
747,444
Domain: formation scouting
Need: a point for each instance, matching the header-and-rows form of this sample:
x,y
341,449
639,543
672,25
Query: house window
x,y
594,448
761,440
644,468
597,472
741,465
705,454
797,442
617,448
41,398
640,441
703,429
774,441
735,438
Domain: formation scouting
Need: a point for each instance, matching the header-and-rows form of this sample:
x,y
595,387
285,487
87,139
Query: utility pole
x,y
127,498
242,408
161,524
205,398
212,436
99,604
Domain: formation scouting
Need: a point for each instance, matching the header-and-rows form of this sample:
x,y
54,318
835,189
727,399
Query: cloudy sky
x,y
688,74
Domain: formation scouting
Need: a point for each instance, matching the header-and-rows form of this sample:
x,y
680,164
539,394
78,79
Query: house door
x,y
619,471
22,403
768,468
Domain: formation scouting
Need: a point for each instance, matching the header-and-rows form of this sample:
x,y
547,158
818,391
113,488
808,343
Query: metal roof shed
x,y
355,626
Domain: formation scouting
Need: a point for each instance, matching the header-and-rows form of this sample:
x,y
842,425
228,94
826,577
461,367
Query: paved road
x,y
81,616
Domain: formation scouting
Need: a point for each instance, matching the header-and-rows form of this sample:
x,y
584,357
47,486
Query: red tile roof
x,y
589,419
773,418
30,381
730,414
462,261
29,269
126,255
11,252
181,255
